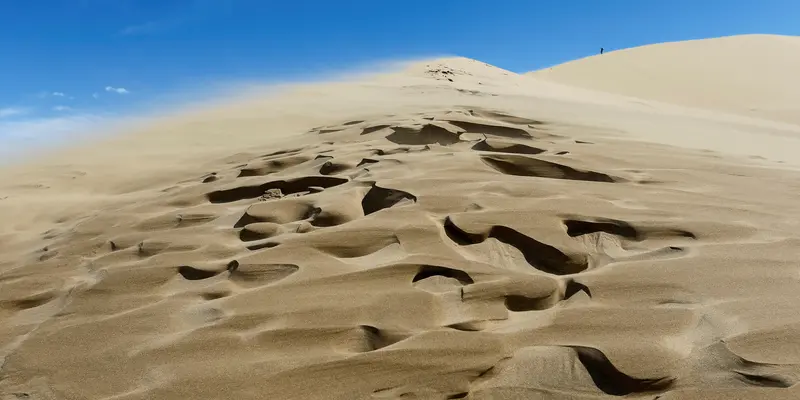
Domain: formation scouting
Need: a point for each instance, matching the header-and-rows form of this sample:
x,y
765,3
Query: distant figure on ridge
x,y
601,50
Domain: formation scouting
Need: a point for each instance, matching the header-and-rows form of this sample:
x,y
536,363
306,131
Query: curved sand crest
x,y
462,251
753,75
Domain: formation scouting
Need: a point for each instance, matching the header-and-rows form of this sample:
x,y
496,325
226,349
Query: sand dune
x,y
748,75
448,231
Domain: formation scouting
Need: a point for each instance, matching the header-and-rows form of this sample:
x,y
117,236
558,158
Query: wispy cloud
x,y
62,108
149,28
190,12
96,95
12,111
117,90
58,94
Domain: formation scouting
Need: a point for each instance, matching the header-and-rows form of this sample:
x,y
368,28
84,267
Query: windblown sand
x,y
448,231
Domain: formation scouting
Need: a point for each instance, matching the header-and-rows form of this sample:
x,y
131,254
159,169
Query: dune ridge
x,y
746,74
448,231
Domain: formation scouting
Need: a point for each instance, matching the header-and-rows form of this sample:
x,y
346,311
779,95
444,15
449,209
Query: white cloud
x,y
62,108
117,90
95,95
12,111
58,94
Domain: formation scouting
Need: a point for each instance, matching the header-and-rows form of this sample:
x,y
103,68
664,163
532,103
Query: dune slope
x,y
449,231
750,75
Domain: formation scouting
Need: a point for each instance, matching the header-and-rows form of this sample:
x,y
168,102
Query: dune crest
x,y
752,75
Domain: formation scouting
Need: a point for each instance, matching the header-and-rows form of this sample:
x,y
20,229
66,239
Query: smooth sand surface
x,y
748,75
447,231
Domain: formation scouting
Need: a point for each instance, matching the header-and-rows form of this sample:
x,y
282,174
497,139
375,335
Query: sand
x,y
746,75
449,230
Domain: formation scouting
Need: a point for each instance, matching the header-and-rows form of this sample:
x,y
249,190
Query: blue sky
x,y
71,64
